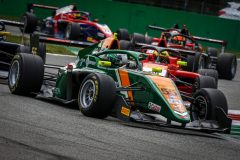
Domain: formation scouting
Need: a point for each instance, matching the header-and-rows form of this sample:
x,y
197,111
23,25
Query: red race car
x,y
66,22
170,63
224,63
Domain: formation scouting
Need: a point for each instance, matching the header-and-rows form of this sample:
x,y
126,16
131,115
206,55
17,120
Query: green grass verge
x,y
12,18
56,49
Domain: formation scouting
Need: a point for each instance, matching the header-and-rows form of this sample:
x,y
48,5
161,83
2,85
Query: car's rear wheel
x,y
195,62
30,22
212,52
27,49
204,82
148,40
73,31
122,34
96,95
209,72
205,103
227,66
25,74
138,38
126,45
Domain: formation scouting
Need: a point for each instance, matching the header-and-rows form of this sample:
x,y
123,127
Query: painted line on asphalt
x,y
234,112
60,55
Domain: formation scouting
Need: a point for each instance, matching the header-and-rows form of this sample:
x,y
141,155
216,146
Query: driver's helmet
x,y
163,57
118,59
179,39
76,15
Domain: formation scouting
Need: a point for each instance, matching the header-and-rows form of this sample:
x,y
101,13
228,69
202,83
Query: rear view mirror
x,y
182,63
158,70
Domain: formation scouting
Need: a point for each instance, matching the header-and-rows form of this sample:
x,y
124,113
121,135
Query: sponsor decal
x,y
174,101
169,92
154,107
184,115
125,111
96,88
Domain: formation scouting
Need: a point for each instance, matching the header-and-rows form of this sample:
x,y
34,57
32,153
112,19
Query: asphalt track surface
x,y
32,128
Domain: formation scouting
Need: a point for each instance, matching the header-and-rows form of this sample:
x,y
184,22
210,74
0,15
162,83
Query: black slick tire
x,y
193,62
209,72
30,22
122,34
227,66
73,31
25,74
212,52
204,82
138,38
96,95
23,49
126,45
205,104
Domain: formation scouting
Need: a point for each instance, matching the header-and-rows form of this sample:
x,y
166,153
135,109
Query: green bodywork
x,y
87,62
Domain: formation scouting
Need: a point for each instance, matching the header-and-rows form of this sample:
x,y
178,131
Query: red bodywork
x,y
69,17
173,71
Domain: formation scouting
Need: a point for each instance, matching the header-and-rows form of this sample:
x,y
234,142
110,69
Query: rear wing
x,y
30,7
147,46
35,39
221,42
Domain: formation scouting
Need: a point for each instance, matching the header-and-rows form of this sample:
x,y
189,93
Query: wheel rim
x,y
14,73
200,108
233,68
87,93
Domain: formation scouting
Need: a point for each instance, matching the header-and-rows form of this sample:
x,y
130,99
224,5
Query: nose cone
x,y
175,108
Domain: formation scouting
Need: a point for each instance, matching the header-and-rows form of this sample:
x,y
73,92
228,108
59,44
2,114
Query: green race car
x,y
112,82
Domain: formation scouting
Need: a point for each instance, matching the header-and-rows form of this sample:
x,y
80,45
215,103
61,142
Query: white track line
x,y
235,112
60,55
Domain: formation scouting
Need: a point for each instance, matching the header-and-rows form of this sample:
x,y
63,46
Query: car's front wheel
x,y
96,95
205,103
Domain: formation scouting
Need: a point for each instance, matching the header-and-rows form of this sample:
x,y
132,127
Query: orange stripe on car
x,y
125,81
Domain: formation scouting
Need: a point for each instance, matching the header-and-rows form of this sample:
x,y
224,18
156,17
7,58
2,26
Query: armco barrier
x,y
136,17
